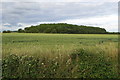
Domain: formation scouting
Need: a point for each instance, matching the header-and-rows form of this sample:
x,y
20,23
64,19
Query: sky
x,y
20,14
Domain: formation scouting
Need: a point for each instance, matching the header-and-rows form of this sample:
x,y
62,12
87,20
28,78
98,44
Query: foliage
x,y
28,55
63,28
79,64
8,31
20,31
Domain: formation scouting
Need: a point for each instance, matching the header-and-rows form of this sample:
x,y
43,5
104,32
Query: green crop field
x,y
34,55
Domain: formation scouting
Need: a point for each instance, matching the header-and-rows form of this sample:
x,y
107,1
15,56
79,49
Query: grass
x,y
60,55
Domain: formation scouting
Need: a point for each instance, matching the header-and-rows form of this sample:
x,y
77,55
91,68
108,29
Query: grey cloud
x,y
32,12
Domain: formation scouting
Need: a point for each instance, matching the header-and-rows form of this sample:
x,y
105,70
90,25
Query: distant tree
x,y
20,30
4,32
63,28
8,31
54,31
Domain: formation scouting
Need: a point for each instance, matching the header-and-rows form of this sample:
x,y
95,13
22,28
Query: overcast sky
x,y
17,15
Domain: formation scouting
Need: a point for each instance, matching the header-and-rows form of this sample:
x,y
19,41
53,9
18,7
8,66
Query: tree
x,y
20,30
54,31
4,31
8,31
63,28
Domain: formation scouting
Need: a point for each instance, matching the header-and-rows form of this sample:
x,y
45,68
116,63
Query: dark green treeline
x,y
63,28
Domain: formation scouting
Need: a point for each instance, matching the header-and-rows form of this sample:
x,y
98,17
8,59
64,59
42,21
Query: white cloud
x,y
109,22
13,28
6,24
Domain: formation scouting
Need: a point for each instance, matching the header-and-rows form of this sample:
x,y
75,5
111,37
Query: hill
x,y
63,28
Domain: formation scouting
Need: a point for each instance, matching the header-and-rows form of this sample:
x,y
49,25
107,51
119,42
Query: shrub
x,y
79,64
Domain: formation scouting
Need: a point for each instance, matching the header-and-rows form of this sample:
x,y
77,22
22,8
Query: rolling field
x,y
32,55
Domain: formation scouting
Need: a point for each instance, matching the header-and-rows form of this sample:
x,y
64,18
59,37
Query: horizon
x,y
55,23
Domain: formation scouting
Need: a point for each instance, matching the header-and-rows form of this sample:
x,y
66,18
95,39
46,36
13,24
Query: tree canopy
x,y
63,28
